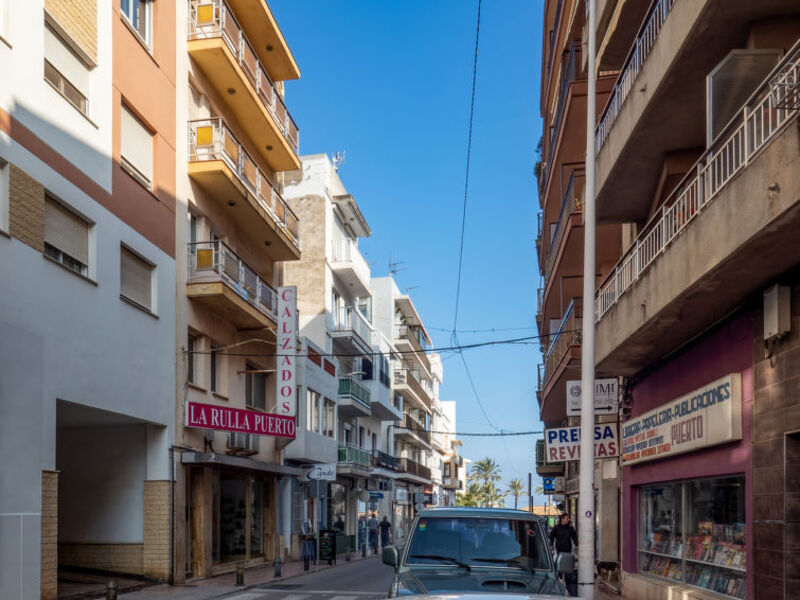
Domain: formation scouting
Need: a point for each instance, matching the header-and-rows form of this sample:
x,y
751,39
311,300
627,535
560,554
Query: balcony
x,y
221,281
411,339
382,460
219,47
568,75
349,265
351,331
618,23
562,358
412,430
658,105
407,382
543,467
220,166
381,394
569,216
731,226
354,457
415,469
354,398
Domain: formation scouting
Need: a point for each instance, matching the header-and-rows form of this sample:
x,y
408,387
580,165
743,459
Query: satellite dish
x,y
363,495
338,497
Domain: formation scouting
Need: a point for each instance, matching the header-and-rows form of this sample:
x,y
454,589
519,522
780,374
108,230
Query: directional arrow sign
x,y
605,397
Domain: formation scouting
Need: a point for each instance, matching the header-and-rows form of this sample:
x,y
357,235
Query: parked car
x,y
474,550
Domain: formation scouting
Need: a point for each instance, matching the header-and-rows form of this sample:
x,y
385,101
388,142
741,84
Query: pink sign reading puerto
x,y
223,418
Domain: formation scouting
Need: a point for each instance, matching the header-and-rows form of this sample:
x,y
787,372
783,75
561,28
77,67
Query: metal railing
x,y
412,379
386,461
349,387
539,302
639,52
348,318
772,105
571,203
554,36
215,261
411,424
567,77
353,455
567,335
412,467
346,250
214,18
417,341
211,139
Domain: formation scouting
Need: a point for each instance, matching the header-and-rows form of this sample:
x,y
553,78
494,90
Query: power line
x,y
481,434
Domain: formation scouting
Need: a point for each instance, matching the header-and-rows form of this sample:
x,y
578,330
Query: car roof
x,y
486,513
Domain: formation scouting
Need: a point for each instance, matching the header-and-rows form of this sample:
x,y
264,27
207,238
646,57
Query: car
x,y
463,550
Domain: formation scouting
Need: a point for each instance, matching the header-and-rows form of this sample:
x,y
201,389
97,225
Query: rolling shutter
x,y
135,278
137,146
66,231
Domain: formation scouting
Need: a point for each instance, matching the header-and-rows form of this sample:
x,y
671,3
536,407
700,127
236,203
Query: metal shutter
x,y
137,145
135,278
66,231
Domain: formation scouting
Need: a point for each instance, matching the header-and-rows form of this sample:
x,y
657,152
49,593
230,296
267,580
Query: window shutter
x,y
366,367
135,278
137,145
66,231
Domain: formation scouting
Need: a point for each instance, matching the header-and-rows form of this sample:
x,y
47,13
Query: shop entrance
x,y
239,512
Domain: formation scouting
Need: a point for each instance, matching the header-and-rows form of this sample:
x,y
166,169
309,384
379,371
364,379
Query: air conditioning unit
x,y
244,442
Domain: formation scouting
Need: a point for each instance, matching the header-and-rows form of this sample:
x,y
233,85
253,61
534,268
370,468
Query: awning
x,y
239,462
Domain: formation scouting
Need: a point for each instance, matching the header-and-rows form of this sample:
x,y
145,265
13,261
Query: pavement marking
x,y
343,598
296,597
246,596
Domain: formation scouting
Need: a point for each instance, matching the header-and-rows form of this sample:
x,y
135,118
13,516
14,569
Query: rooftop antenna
x,y
411,287
338,160
394,266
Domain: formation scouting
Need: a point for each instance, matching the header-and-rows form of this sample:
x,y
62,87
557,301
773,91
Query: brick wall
x,y
776,484
49,582
156,529
78,18
25,208
117,558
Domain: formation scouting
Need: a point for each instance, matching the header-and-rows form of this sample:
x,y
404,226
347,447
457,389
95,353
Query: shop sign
x,y
705,417
287,350
605,397
326,472
401,495
564,443
225,418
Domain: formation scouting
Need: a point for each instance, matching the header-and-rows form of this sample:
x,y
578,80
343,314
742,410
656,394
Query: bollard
x,y
364,551
305,562
240,574
111,590
347,555
277,567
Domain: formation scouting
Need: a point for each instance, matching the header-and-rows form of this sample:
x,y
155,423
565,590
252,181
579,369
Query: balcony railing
x,y
412,467
411,424
568,334
210,139
567,77
353,455
553,36
415,337
216,261
350,388
214,18
346,250
411,378
639,52
571,203
347,318
772,105
385,461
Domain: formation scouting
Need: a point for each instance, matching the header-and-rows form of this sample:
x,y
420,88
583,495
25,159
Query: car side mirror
x,y
391,557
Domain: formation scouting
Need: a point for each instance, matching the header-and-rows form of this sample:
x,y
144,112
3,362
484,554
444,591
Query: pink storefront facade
x,y
675,550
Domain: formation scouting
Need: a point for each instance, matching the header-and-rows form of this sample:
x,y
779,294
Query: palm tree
x,y
485,472
515,489
470,497
494,497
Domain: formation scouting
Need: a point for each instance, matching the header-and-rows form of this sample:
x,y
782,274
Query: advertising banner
x,y
286,381
705,417
326,472
564,443
606,397
224,418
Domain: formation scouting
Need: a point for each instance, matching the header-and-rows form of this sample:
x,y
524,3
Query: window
x,y
255,387
214,369
67,73
66,237
366,369
312,410
191,358
703,546
384,370
329,419
4,168
136,279
139,13
136,148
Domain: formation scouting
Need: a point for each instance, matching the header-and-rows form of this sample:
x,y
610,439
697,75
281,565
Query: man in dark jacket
x,y
562,536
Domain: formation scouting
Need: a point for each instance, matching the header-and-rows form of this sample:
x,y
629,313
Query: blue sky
x,y
389,83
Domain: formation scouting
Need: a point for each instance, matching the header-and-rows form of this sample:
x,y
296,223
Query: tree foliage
x,y
516,489
486,475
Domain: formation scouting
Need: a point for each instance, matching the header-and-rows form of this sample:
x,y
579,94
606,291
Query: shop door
x,y
241,519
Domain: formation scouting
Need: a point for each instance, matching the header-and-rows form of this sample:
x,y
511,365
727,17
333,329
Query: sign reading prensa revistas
x,y
287,350
224,418
706,417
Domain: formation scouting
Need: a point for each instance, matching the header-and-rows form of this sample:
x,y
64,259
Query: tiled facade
x,y
78,18
49,581
26,208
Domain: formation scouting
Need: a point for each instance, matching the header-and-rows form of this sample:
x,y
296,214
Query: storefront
x,y
686,455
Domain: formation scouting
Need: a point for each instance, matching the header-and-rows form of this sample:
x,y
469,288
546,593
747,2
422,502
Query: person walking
x,y
562,537
372,529
386,532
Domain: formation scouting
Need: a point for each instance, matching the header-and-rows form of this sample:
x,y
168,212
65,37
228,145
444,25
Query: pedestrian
x,y
562,537
339,524
372,529
386,532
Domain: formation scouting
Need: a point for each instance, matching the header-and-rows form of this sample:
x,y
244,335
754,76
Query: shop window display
x,y
694,532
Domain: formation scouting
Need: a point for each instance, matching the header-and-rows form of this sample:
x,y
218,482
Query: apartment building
x,y
87,214
698,158
234,234
449,473
559,243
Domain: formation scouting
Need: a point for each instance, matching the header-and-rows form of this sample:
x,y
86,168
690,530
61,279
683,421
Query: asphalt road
x,y
361,580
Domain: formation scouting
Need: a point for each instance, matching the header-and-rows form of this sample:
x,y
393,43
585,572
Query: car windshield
x,y
478,542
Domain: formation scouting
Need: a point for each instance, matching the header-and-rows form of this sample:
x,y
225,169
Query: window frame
x,y
59,255
192,344
214,369
5,191
152,274
60,86
127,165
147,38
252,372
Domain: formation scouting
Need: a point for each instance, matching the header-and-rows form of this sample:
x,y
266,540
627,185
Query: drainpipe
x,y
171,578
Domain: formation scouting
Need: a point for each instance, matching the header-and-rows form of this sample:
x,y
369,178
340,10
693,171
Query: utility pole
x,y
530,493
585,515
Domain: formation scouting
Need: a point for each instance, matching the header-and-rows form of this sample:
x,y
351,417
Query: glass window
x,y
256,518
660,540
136,277
214,370
66,237
255,387
67,73
191,358
312,410
139,13
330,412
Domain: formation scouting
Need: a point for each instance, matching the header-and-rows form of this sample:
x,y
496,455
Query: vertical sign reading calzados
x,y
287,350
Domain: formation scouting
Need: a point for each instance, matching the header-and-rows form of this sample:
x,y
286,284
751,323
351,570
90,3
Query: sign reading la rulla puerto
x,y
225,418
563,444
286,382
705,417
606,397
